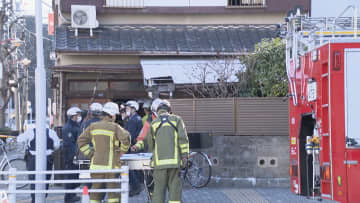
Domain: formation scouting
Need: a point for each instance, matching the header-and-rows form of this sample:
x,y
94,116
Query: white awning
x,y
190,71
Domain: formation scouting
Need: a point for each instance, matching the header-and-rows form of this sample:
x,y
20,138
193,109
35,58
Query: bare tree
x,y
217,78
8,59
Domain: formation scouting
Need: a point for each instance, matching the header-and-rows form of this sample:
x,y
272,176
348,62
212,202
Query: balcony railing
x,y
163,3
247,3
183,3
125,3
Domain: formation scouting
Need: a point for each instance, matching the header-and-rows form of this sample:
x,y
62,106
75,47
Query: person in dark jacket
x,y
29,138
134,127
70,134
124,117
95,115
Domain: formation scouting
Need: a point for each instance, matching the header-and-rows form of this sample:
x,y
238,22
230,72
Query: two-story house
x,y
142,42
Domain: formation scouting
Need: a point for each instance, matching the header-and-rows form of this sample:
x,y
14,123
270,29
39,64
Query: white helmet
x,y
96,108
133,104
111,108
73,111
164,104
155,104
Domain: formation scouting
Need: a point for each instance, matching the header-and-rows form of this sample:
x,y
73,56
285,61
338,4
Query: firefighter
x,y
134,127
146,107
52,143
169,144
95,115
110,141
70,134
141,143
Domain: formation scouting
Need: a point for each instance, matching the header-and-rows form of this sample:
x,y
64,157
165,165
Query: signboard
x,y
311,91
51,27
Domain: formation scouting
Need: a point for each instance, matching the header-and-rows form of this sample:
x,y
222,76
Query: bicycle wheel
x,y
20,165
198,172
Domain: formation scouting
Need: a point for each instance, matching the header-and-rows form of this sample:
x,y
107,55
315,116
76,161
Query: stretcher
x,y
140,161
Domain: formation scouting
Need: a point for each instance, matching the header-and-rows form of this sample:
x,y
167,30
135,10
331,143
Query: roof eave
x,y
150,53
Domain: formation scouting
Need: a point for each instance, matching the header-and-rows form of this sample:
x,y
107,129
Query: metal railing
x,y
125,3
247,3
12,191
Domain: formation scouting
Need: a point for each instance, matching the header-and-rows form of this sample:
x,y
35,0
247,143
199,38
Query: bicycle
x,y
197,173
198,170
15,162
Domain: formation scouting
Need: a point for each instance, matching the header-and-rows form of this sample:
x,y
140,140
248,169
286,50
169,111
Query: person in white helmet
x,y
147,111
141,143
95,115
29,138
110,141
70,134
134,127
134,124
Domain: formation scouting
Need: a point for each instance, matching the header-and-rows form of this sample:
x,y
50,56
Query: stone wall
x,y
248,160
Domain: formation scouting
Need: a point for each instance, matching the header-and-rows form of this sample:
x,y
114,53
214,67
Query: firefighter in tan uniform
x,y
109,141
168,141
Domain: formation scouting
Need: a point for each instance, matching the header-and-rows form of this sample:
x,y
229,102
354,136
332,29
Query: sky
x,y
27,7
332,8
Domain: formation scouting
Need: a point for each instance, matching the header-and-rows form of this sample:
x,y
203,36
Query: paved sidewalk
x,y
216,195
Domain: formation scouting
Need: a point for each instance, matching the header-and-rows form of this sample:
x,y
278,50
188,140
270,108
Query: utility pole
x,y
40,100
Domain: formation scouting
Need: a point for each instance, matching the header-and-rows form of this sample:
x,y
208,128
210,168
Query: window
x,y
126,86
247,3
352,98
85,86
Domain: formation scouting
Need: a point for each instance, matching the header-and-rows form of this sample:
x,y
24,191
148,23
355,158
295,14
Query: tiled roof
x,y
165,39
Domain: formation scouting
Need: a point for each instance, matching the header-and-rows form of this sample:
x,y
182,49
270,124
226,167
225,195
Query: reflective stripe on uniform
x,y
87,152
124,148
184,148
174,201
99,167
117,143
102,132
84,148
110,134
95,201
173,161
113,200
140,145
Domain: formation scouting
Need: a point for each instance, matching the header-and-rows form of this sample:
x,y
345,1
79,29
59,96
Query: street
x,y
216,195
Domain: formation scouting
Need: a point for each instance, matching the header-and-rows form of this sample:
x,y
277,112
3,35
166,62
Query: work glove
x,y
133,149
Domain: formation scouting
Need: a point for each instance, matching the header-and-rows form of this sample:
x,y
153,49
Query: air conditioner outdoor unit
x,y
83,16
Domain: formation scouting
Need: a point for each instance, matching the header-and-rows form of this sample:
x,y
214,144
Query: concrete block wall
x,y
259,161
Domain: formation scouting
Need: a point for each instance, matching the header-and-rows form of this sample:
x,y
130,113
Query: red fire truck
x,y
323,66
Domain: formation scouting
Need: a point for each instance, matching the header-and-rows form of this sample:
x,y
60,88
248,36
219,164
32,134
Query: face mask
x,y
128,113
79,119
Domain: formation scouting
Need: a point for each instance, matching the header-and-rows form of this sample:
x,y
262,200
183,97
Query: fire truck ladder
x,y
304,34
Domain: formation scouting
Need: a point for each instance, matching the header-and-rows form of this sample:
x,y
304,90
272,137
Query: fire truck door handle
x,y
351,162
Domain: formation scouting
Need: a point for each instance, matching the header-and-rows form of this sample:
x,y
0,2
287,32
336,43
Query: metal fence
x,y
12,191
125,3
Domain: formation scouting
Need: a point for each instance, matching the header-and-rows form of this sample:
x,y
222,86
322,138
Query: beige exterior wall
x,y
262,18
64,60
